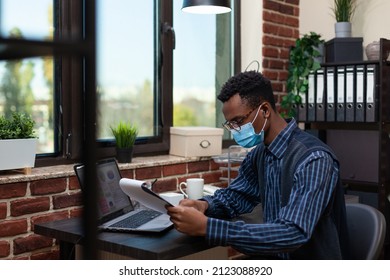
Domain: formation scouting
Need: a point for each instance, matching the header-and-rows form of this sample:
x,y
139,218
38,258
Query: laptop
x,y
116,211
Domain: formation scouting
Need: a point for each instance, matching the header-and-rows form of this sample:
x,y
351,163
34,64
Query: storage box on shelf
x,y
196,141
344,49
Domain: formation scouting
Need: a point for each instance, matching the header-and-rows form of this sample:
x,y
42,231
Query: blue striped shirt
x,y
283,228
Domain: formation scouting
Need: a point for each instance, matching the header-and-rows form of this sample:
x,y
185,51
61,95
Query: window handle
x,y
168,28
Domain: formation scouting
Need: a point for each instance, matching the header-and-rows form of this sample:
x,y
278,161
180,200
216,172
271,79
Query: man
x,y
293,174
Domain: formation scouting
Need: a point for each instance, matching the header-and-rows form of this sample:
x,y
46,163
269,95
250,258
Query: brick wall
x,y
280,30
24,204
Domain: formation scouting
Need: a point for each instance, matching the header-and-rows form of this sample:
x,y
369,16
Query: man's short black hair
x,y
252,87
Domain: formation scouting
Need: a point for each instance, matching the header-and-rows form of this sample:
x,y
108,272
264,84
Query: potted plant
x,y
17,142
125,135
303,60
343,12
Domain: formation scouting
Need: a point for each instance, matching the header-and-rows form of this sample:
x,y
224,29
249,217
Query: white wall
x,y
371,20
251,32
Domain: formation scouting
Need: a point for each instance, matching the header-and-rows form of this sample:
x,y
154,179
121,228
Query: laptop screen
x,y
112,201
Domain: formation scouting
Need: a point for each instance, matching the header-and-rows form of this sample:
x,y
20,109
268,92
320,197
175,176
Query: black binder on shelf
x,y
302,115
311,104
360,94
340,99
350,95
294,108
320,98
370,95
330,95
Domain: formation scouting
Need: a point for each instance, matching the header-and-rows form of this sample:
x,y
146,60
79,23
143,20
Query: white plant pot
x,y
17,153
343,29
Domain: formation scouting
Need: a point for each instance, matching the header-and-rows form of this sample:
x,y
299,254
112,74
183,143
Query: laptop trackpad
x,y
157,224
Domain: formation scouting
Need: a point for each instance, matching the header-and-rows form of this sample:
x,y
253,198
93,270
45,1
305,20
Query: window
x,y
27,85
202,62
155,65
127,64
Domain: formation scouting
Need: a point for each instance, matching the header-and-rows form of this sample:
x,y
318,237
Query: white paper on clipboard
x,y
139,191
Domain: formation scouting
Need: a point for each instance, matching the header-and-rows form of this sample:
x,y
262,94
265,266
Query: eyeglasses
x,y
236,125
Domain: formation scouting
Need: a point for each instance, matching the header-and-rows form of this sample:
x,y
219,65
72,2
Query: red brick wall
x,y
280,30
24,204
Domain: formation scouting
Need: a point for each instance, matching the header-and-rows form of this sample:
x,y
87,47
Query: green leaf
x,y
125,134
301,64
19,126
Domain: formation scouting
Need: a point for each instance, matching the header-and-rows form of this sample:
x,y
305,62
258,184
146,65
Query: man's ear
x,y
265,108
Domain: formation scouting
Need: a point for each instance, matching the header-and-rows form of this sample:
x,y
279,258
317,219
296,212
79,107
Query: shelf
x,y
344,125
236,168
233,158
350,63
352,185
19,49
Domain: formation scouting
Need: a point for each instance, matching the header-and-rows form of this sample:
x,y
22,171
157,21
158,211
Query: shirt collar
x,y
279,145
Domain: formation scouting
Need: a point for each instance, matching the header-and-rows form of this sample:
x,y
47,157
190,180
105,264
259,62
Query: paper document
x,y
139,191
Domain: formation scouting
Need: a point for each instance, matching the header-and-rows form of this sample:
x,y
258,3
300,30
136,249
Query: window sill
x,y
57,171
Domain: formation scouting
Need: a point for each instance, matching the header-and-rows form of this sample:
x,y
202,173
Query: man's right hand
x,y
200,205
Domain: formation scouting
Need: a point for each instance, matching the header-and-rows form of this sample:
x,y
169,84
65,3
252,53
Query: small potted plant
x,y
125,135
343,12
17,142
303,60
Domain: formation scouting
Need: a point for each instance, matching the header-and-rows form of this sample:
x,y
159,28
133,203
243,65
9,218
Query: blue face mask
x,y
247,137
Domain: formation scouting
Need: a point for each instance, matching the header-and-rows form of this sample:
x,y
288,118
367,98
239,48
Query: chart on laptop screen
x,y
111,197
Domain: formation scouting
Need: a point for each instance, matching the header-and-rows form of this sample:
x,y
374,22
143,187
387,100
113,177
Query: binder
x,y
302,116
320,104
295,113
330,94
340,110
370,96
311,109
360,90
350,100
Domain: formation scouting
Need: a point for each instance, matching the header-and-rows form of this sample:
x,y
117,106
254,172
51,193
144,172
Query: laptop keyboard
x,y
137,220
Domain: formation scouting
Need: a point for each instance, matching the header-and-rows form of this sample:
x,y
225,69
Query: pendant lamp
x,y
206,6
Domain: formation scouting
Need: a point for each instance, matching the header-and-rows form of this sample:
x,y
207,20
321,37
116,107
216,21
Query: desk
x,y
169,245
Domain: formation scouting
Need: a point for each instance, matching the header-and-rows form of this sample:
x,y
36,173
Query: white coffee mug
x,y
194,188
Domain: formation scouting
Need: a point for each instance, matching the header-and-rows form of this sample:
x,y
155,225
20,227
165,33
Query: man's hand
x,y
200,205
189,217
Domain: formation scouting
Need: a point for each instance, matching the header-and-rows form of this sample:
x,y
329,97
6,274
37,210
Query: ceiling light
x,y
206,6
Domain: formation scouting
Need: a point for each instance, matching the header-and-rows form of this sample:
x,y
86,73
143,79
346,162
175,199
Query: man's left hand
x,y
188,220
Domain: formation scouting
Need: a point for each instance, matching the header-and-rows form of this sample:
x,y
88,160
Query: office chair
x,y
367,230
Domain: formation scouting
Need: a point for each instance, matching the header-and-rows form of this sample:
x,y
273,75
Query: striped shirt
x,y
284,228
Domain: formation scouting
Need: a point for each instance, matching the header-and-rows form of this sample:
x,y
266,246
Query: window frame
x,y
70,85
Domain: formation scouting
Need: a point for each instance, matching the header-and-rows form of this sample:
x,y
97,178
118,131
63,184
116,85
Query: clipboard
x,y
141,192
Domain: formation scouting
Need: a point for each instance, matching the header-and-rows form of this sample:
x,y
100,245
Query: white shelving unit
x,y
235,155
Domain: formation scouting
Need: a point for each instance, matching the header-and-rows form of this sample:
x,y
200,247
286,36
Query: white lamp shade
x,y
206,6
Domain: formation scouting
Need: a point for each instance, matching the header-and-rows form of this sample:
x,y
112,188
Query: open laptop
x,y
115,209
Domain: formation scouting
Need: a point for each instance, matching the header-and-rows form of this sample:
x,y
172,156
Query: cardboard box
x,y
348,49
196,141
